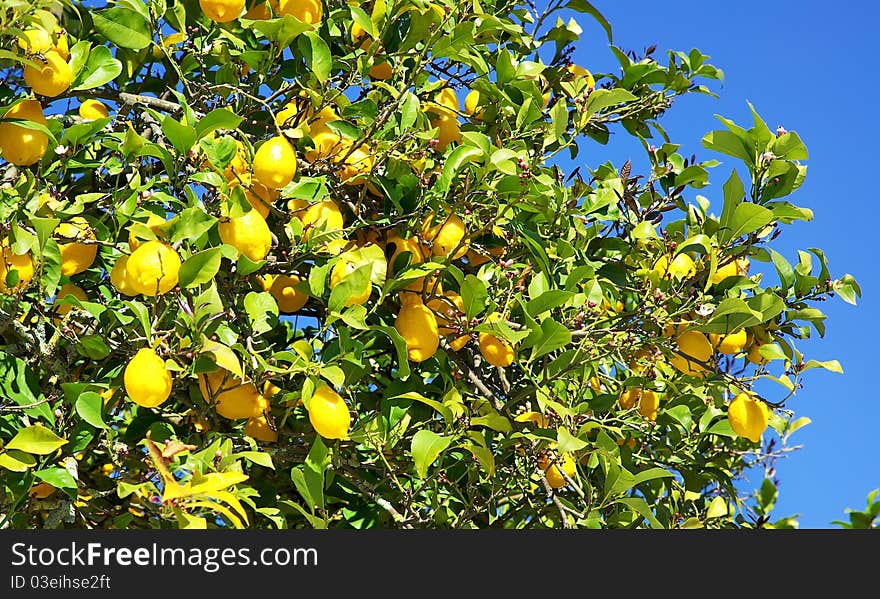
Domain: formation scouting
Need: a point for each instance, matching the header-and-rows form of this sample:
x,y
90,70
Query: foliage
x,y
590,277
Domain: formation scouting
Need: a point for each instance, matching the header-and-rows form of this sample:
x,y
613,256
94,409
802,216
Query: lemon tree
x,y
292,264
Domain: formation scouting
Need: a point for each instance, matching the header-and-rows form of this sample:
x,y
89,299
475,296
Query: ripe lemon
x,y
75,256
258,195
230,396
322,215
92,110
553,473
345,265
147,381
290,299
222,11
697,348
754,354
496,352
260,429
446,238
417,325
154,222
153,268
307,11
730,344
63,292
119,277
448,310
398,245
448,130
329,414
356,165
275,163
52,77
249,234
471,102
238,166
582,74
738,267
19,145
681,267
446,97
36,41
748,416
259,12
23,264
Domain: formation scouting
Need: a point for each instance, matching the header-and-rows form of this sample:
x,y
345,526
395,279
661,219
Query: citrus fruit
x,y
447,237
153,268
417,325
35,41
552,472
222,11
730,344
307,11
284,289
329,414
119,277
238,166
52,77
321,215
76,256
258,428
275,163
147,381
695,348
258,195
681,267
471,102
23,264
154,222
19,145
346,264
496,352
738,267
448,129
92,110
63,292
231,397
748,416
249,234
582,75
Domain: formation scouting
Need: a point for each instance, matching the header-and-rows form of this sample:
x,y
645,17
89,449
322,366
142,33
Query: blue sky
x,y
809,67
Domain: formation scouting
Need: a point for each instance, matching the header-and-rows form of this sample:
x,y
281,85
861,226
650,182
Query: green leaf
x,y
548,300
58,477
123,27
409,111
355,283
651,474
182,137
734,192
444,410
200,268
262,310
747,218
93,346
257,457
829,365
554,336
191,224
17,461
454,163
399,344
221,118
282,30
100,68
474,294
603,98
44,228
317,55
718,508
567,442
641,507
790,147
36,439
143,316
426,447
89,406
493,420
730,144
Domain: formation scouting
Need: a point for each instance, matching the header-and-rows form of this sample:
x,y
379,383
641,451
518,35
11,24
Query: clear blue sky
x,y
809,66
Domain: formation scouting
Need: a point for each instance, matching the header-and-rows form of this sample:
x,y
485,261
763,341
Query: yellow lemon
x,y
345,265
417,325
448,130
258,195
36,41
238,166
446,97
52,77
449,310
76,256
471,102
754,354
583,75
222,11
146,380
153,268
322,215
496,352
231,397
681,267
275,163
249,234
696,348
92,110
154,222
63,292
259,428
738,267
329,414
119,277
307,11
398,245
23,264
535,417
447,237
19,145
553,473
730,344
748,416
259,12
289,298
